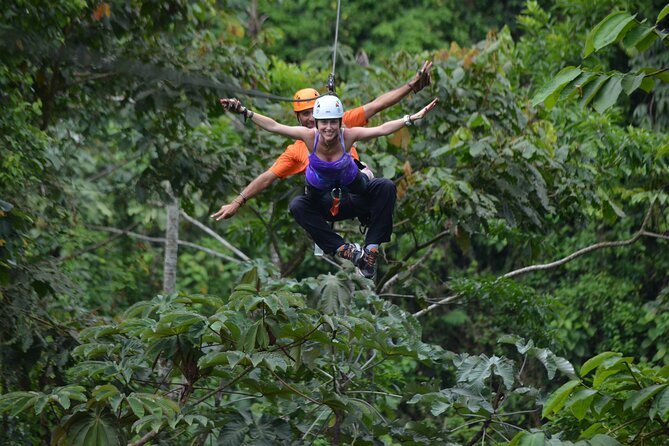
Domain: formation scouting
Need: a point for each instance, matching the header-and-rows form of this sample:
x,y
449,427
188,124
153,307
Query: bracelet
x,y
248,114
407,120
244,197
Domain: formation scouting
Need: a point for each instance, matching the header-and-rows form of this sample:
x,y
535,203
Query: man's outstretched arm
x,y
420,80
259,184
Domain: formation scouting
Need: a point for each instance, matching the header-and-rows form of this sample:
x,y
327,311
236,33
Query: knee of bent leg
x,y
297,205
388,187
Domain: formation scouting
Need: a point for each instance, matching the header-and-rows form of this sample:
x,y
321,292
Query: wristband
x,y
248,114
241,194
407,120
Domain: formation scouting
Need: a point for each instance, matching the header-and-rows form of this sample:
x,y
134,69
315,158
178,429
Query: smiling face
x,y
328,129
306,118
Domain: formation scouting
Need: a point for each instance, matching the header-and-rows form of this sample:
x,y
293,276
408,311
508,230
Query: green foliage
x,y
614,396
163,362
602,89
108,103
294,29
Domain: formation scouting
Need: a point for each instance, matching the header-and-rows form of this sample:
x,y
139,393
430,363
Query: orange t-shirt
x,y
295,158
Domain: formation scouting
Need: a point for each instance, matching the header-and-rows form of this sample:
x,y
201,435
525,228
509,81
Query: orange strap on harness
x,y
336,199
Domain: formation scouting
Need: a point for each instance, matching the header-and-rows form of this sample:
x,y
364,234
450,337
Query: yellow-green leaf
x,y
662,14
558,399
639,397
592,363
549,92
608,31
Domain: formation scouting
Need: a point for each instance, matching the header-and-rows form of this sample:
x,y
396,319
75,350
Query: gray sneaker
x,y
367,262
350,251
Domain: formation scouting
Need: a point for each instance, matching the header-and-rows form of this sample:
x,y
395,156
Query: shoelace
x,y
348,252
370,257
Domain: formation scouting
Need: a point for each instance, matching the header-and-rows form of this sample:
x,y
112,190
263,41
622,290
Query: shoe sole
x,y
359,271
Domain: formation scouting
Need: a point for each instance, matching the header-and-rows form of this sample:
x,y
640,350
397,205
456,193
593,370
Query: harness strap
x,y
335,193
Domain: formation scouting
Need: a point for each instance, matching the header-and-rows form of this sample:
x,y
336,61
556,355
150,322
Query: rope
x,y
331,79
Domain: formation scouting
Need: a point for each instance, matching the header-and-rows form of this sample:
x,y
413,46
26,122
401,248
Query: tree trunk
x,y
171,247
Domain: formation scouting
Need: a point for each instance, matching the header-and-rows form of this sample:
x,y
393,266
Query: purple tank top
x,y
325,175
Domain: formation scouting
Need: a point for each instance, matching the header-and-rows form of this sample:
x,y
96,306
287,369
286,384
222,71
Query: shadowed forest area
x,y
523,298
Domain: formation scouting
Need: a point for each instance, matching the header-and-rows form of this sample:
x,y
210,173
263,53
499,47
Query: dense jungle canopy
x,y
522,299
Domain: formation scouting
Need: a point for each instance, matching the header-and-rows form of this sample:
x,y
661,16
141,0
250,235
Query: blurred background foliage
x,y
110,107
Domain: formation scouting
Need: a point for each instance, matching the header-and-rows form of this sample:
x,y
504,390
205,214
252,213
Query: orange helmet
x,y
305,93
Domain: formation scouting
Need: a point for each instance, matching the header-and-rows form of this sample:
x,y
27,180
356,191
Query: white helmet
x,y
328,107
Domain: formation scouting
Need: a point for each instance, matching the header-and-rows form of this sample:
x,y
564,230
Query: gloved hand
x,y
233,105
422,78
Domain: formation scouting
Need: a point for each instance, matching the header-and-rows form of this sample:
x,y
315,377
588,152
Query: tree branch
x,y
146,238
415,249
443,301
640,233
294,390
408,271
119,233
211,232
583,251
111,169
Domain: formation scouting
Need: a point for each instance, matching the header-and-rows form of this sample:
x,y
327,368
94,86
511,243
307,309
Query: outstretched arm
x,y
364,133
259,184
420,80
266,123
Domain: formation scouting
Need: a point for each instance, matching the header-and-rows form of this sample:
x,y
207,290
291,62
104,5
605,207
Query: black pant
x,y
370,200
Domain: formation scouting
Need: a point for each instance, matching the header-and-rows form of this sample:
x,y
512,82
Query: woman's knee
x,y
298,205
384,186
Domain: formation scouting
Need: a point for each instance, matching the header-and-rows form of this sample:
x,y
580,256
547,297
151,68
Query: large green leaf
x,y
637,37
591,89
660,406
16,402
549,92
528,439
104,392
576,86
558,399
611,367
233,432
535,439
580,402
91,429
603,440
639,397
608,31
631,82
608,94
249,337
334,294
503,368
592,363
231,358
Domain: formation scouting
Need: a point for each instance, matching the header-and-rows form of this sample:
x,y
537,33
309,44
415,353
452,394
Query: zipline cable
x,y
331,78
124,66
